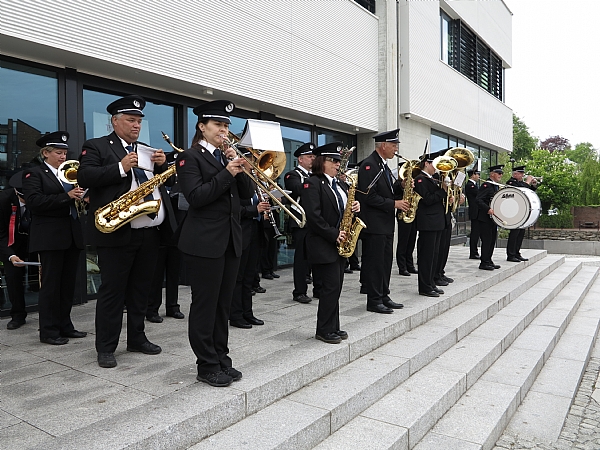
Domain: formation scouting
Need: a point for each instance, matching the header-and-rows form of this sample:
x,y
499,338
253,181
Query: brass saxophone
x,y
350,224
409,193
130,205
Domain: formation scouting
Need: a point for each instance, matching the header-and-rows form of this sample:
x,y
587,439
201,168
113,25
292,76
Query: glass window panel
x,y
157,118
28,109
452,142
439,141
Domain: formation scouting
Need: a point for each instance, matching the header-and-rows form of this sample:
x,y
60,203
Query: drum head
x,y
512,207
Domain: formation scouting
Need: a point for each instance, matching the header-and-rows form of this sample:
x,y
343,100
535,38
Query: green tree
x,y
589,183
582,153
560,188
523,142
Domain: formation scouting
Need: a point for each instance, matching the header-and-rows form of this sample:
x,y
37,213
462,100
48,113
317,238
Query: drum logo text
x,y
508,195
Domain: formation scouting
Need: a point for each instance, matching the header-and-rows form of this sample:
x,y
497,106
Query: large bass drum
x,y
515,207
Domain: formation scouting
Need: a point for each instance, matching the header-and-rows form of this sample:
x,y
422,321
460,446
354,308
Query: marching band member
x,y
127,256
430,224
407,235
324,200
376,195
488,228
515,237
211,238
294,181
56,234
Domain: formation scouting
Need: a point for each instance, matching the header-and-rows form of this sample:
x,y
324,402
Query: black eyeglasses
x,y
332,160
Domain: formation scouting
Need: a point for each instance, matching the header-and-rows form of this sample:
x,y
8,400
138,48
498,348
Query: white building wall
x,y
439,96
291,54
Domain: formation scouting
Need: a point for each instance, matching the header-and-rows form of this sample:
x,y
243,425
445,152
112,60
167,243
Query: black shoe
x,y
267,276
495,266
253,321
235,375
240,324
302,298
54,341
176,315
154,319
486,266
392,304
513,259
274,275
447,279
107,360
522,259
438,290
147,348
430,294
405,273
412,270
355,268
440,282
259,290
474,257
74,334
14,324
380,308
342,334
330,338
252,292
217,379
347,270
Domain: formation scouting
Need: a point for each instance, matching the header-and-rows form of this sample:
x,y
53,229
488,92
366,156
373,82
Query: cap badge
x,y
229,108
136,103
339,148
311,146
64,138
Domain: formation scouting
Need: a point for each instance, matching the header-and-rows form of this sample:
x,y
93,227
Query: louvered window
x,y
369,5
463,50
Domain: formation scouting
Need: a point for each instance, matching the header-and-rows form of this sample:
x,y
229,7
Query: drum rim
x,y
522,193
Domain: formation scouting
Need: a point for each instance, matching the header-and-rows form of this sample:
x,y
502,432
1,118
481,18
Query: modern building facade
x,y
326,70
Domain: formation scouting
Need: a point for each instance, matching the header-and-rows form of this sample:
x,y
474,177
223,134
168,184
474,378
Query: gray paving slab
x,y
21,436
8,420
364,433
434,441
559,377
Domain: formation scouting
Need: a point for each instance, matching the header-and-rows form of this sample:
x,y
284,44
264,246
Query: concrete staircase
x,y
442,373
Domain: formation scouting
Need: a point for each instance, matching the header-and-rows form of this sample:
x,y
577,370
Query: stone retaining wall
x,y
562,235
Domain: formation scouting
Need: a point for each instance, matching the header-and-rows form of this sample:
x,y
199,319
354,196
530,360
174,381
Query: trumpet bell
x,y
445,163
67,171
271,163
463,156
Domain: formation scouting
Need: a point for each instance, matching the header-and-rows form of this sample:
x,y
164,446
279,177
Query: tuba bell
x,y
464,157
444,165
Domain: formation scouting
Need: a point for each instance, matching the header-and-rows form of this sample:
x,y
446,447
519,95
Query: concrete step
x,y
480,416
343,394
168,410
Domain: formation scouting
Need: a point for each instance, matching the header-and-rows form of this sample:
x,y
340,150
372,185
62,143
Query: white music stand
x,y
262,135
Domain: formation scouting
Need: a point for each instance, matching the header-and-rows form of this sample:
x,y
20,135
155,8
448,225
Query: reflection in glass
x,y
28,110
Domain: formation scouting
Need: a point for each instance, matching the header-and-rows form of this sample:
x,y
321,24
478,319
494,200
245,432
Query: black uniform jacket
x,y
214,197
99,171
52,227
471,190
294,181
431,210
8,199
514,182
484,197
248,214
377,207
322,216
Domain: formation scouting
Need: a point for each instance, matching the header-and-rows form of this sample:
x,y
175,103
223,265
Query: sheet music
x,y
144,157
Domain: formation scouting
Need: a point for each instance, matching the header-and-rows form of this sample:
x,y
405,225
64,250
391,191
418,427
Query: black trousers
x,y
301,267
14,277
125,273
445,239
59,269
167,269
268,255
376,266
515,240
212,282
474,238
488,231
328,313
428,247
407,238
241,303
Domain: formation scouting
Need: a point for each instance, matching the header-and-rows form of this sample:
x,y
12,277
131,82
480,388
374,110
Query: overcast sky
x,y
554,82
